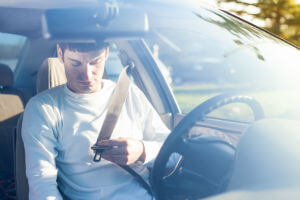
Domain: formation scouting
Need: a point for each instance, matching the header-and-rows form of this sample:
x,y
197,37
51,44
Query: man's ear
x,y
59,53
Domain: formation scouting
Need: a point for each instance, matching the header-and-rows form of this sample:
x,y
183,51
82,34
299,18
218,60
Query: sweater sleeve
x,y
40,144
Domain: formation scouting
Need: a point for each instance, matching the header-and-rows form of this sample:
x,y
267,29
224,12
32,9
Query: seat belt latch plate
x,y
98,151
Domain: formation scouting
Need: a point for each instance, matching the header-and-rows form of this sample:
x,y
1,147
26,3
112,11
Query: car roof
x,y
37,4
24,16
47,4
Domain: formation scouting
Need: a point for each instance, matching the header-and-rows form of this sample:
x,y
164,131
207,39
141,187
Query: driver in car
x,y
61,124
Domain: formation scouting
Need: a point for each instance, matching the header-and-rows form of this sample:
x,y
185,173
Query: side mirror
x,y
97,23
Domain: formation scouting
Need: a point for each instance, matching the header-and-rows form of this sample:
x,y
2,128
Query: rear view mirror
x,y
86,24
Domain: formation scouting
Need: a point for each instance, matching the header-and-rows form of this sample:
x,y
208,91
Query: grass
x,y
276,103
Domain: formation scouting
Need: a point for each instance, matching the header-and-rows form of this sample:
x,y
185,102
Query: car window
x,y
211,53
10,48
113,65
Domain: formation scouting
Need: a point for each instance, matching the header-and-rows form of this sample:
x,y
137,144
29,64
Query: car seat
x,y
51,74
11,106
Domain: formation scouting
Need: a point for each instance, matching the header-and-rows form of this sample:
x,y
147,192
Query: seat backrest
x,y
51,74
11,106
11,100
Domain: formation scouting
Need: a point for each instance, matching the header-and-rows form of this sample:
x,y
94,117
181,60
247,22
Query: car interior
x,y
48,72
213,143
215,155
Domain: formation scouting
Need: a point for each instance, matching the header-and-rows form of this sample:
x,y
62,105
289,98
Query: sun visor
x,y
88,24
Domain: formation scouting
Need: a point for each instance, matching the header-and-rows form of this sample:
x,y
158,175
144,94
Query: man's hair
x,y
83,47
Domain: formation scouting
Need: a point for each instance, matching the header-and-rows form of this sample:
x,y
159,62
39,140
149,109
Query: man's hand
x,y
125,151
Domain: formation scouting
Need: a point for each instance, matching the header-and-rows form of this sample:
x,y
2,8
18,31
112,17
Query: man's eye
x,y
75,64
96,62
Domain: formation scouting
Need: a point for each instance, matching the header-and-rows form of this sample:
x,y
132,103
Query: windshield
x,y
208,52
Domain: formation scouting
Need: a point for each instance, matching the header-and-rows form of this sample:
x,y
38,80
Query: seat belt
x,y
114,109
115,105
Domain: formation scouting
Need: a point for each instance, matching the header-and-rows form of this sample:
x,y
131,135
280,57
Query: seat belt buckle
x,y
98,151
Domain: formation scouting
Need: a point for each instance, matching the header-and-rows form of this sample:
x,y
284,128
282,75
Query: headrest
x,y
51,74
6,75
267,156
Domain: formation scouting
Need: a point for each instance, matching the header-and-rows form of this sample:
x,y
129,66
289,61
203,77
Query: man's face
x,y
84,70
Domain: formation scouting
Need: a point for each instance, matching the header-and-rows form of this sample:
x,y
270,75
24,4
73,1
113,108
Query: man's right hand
x,y
124,151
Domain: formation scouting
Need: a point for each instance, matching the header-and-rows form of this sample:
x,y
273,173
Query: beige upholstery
x,y
6,75
11,106
11,102
51,74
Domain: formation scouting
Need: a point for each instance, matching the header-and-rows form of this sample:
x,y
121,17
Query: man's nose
x,y
87,72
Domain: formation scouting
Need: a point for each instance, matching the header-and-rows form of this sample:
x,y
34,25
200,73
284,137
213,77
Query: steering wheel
x,y
176,137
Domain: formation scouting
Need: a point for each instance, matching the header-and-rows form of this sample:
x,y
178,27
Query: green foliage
x,y
281,17
276,103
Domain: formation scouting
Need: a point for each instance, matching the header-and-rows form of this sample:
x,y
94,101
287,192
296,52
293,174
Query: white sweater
x,y
58,130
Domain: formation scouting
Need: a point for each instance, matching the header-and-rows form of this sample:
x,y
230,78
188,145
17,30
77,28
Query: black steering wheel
x,y
176,137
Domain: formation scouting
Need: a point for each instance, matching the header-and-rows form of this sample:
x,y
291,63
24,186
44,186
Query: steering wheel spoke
x,y
181,145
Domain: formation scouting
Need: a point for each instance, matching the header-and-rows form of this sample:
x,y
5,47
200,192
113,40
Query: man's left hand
x,y
124,151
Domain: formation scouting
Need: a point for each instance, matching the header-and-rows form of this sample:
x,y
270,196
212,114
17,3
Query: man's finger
x,y
113,142
116,150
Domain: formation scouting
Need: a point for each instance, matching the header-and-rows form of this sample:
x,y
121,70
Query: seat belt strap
x,y
138,178
114,109
115,105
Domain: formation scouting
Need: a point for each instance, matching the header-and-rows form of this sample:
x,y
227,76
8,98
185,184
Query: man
x,y
61,124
